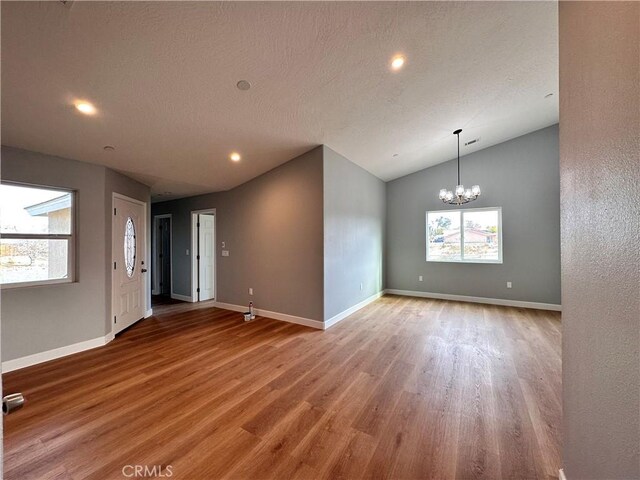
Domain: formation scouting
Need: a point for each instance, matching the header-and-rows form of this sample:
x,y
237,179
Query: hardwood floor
x,y
158,301
404,388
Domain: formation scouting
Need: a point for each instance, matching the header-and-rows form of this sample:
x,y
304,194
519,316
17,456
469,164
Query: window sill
x,y
40,283
485,262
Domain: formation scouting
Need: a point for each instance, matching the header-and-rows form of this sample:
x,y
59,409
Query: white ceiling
x,y
163,76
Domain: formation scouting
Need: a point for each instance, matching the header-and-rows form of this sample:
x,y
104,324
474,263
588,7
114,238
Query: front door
x,y
128,249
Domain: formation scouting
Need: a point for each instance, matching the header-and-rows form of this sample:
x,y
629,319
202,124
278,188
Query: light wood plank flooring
x,y
405,389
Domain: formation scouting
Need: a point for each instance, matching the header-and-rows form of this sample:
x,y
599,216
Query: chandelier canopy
x,y
459,196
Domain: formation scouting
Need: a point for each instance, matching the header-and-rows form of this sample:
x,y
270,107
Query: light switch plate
x,y
225,253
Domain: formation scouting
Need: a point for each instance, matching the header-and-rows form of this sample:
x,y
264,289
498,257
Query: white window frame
x,y
461,212
71,239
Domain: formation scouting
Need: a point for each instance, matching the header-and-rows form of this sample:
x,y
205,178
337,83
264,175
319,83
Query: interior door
x,y
206,244
164,256
129,227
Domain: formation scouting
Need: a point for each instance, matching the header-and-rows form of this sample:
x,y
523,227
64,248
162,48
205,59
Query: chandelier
x,y
460,196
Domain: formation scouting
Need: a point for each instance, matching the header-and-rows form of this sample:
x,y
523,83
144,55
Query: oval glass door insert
x,y
129,246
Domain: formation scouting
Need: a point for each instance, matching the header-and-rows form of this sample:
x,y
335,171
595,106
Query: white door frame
x,y
154,253
194,248
146,284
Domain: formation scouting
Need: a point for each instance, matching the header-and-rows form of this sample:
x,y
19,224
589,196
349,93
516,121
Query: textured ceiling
x,y
163,76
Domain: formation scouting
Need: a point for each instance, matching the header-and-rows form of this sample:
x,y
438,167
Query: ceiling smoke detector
x,y
243,85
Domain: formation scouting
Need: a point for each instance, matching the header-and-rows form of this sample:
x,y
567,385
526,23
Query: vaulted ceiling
x,y
163,75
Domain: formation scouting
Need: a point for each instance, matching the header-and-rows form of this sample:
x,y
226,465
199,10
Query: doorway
x,y
162,262
128,251
204,255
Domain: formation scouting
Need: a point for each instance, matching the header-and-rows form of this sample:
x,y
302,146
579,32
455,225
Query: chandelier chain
x,y
458,135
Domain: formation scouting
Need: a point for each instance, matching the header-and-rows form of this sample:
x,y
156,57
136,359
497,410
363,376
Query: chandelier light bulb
x,y
449,196
468,194
459,190
475,190
443,193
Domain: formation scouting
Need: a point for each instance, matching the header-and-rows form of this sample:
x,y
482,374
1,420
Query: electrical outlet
x,y
225,253
187,251
361,286
419,278
250,291
508,284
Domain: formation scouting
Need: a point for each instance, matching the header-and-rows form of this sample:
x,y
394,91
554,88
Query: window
x,y
471,235
37,227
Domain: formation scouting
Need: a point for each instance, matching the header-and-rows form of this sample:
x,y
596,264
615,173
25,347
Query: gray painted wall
x,y
272,227
600,174
521,176
354,231
41,318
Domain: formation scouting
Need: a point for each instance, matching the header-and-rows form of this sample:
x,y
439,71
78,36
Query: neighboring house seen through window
x,y
472,235
37,235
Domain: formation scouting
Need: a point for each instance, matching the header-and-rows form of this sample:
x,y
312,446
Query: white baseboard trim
x,y
18,363
148,313
561,475
184,298
342,315
465,298
275,315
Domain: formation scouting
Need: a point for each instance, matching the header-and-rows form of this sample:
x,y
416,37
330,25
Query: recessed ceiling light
x,y
235,156
397,62
243,85
109,148
86,108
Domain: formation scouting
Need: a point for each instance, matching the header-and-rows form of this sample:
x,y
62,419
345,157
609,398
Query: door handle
x,y
144,270
12,402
